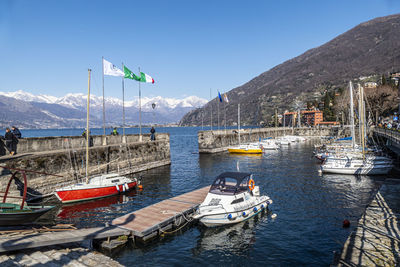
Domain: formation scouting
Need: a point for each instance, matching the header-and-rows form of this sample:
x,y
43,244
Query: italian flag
x,y
146,78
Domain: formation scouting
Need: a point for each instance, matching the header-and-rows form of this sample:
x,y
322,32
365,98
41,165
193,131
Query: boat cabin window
x,y
115,181
229,185
237,200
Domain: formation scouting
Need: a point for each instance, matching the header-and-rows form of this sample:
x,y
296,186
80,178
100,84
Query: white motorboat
x,y
233,198
268,144
283,142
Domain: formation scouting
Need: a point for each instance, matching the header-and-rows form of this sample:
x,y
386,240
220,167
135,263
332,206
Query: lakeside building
x,y
307,118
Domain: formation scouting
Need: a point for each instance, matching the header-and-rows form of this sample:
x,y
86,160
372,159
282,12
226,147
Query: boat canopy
x,y
344,139
230,183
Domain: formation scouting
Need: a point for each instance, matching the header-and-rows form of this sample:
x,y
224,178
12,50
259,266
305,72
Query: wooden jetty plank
x,y
159,213
149,219
47,239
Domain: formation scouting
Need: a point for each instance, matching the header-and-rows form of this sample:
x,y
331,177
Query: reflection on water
x,y
310,209
156,186
76,210
233,239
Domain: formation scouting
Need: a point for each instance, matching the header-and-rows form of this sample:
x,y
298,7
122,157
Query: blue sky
x,y
188,47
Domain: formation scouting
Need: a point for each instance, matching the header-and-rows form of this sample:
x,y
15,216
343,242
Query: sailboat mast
x,y
352,115
211,123
140,111
362,120
104,109
123,104
284,123
87,128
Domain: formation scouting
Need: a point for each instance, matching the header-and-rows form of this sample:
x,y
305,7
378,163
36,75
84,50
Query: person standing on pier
x,y
90,138
16,132
114,131
11,141
152,136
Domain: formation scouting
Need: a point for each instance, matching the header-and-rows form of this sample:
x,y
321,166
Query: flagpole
x,y
104,112
140,111
218,110
123,103
211,123
225,113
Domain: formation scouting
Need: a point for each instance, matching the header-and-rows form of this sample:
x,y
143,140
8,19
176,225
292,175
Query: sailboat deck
x,y
154,218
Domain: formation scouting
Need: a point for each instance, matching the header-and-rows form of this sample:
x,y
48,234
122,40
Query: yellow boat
x,y
245,149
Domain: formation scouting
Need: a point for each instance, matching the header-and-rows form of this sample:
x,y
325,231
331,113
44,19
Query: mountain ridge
x,y
370,48
44,111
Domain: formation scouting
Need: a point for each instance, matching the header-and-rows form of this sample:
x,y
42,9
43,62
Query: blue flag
x,y
220,97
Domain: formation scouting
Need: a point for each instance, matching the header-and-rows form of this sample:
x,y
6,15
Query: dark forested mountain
x,y
371,48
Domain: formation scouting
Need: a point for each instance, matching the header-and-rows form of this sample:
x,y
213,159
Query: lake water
x,y
310,208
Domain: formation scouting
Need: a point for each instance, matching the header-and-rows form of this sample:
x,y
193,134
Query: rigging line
x,y
68,146
374,119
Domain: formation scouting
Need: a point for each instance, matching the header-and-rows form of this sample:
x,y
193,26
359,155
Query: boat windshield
x,y
230,183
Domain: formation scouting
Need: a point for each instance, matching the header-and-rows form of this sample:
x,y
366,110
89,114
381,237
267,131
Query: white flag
x,y
110,69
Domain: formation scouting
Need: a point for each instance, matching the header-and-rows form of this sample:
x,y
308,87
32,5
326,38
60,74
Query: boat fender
x,y
230,216
346,223
116,186
262,206
127,186
255,209
270,201
244,214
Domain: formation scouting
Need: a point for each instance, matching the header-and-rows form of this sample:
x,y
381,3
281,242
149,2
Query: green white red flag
x,y
146,78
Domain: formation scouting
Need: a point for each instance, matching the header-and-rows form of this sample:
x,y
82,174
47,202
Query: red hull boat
x,y
97,187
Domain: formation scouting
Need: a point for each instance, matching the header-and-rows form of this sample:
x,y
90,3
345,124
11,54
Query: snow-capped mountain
x,y
70,110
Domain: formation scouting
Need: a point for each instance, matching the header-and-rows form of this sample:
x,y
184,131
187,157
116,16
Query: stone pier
x,y
66,156
220,140
376,239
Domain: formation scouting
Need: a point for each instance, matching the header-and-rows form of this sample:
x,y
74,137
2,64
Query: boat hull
x,y
91,192
244,151
214,220
13,218
357,171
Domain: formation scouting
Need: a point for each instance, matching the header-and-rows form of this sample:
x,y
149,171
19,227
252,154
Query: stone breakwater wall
x,y
219,141
41,144
68,159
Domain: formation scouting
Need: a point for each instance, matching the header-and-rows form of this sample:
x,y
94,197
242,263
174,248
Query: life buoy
x,y
251,184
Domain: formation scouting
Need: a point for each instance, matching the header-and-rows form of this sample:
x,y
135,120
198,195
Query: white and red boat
x,y
103,185
97,187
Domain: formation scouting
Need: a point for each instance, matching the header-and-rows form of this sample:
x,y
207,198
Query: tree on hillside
x,y
341,107
381,100
329,101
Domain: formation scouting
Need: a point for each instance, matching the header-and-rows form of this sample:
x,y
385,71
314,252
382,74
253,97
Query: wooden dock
x,y
18,242
162,216
142,224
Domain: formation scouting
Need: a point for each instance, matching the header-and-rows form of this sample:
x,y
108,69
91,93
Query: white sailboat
x,y
244,148
351,161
